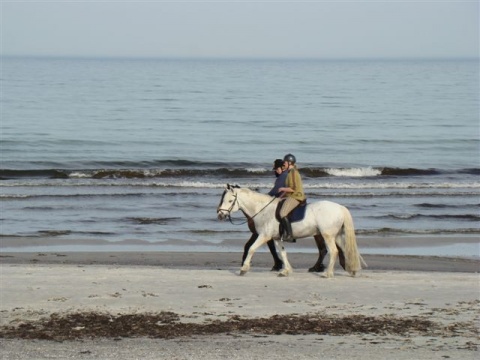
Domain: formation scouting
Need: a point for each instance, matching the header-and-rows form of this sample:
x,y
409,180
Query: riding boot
x,y
287,230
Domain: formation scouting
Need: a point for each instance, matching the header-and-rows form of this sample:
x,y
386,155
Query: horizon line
x,y
244,58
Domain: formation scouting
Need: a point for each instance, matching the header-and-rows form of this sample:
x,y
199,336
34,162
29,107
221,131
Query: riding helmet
x,y
290,158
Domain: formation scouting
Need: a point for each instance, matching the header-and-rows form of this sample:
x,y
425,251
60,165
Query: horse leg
x,y
278,263
248,246
322,252
332,250
251,227
287,269
246,264
341,257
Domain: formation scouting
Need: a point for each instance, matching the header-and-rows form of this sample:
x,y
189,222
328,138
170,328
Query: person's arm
x,y
279,184
296,179
276,186
286,189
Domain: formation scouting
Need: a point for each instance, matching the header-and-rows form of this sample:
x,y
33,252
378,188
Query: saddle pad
x,y
296,215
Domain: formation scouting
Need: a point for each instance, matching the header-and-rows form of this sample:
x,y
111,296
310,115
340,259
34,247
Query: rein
x,y
251,218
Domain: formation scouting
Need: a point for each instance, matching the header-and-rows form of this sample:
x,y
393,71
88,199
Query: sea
x,y
122,154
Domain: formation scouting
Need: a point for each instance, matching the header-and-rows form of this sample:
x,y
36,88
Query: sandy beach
x,y
196,306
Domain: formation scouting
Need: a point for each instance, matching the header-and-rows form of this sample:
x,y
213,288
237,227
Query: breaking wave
x,y
189,169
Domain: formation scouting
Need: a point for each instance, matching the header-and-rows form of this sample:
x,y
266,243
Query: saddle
x,y
295,215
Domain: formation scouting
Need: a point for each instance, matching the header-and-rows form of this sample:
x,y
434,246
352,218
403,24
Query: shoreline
x,y
232,260
364,241
458,246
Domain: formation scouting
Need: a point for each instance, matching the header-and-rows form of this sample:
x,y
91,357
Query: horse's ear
x,y
231,187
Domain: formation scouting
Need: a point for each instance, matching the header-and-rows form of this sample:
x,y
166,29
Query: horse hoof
x,y
284,273
242,272
317,269
277,267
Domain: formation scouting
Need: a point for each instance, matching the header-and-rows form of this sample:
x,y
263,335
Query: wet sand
x,y
227,260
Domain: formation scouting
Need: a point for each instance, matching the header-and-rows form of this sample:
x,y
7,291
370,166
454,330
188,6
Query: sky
x,y
241,29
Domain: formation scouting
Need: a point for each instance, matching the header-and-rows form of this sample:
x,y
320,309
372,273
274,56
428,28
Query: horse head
x,y
228,202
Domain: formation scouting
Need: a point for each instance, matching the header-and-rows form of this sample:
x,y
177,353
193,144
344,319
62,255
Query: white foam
x,y
80,175
354,172
392,185
256,170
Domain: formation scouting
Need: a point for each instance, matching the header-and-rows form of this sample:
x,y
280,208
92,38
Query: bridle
x,y
229,216
231,207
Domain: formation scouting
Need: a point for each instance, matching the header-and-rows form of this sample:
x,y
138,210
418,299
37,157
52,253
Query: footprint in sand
x,y
59,299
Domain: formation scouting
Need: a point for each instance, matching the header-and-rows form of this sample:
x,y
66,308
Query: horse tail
x,y
353,259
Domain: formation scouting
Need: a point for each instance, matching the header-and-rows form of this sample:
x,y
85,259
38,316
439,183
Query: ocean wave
x,y
7,174
73,195
152,221
54,232
395,185
14,196
387,171
442,206
394,231
202,189
467,217
189,169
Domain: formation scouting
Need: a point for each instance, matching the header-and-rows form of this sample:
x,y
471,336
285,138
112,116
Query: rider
x,y
281,178
293,191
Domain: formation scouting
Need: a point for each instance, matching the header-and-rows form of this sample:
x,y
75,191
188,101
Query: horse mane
x,y
258,196
261,197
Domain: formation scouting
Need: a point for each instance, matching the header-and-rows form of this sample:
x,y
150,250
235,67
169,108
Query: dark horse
x,y
278,264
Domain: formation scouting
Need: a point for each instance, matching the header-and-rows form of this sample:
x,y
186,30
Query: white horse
x,y
324,218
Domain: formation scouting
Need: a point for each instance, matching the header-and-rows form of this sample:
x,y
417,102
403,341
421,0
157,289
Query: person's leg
x,y
288,205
